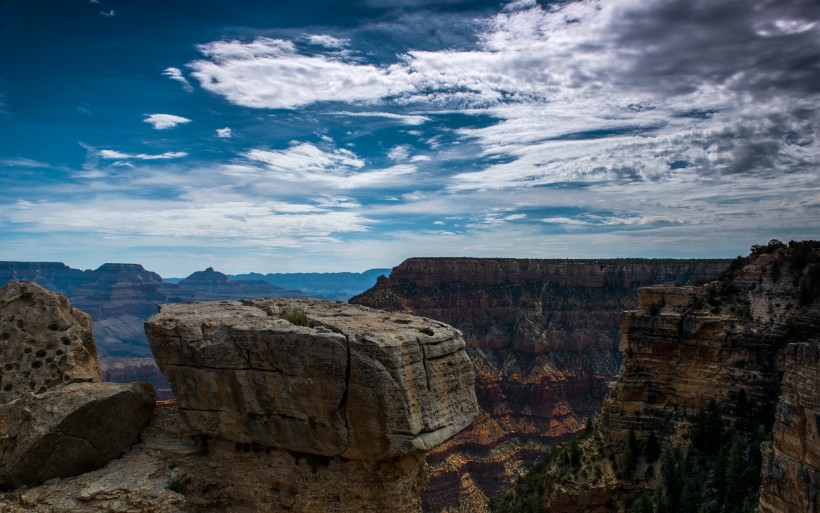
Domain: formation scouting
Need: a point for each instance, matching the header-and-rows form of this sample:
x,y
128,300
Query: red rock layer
x,y
542,335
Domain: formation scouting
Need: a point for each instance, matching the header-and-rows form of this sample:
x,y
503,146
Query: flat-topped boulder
x,y
314,376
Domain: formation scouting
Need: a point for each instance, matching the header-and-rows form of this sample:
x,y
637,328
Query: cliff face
x,y
710,371
542,335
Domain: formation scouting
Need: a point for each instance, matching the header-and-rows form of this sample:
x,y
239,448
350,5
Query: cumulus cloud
x,y
118,155
176,75
224,133
165,121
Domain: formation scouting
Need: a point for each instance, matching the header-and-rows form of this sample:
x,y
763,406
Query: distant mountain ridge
x,y
340,286
121,297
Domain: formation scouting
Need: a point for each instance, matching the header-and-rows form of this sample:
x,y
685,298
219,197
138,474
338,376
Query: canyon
x,y
543,336
717,406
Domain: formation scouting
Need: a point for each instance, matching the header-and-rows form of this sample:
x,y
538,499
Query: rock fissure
x,y
273,370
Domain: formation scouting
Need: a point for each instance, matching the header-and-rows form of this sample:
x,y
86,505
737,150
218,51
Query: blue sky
x,y
329,136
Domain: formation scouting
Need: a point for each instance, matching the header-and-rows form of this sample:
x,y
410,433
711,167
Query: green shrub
x,y
297,317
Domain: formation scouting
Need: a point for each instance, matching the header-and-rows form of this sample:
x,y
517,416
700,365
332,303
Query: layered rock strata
x,y
543,335
56,418
351,382
748,344
791,462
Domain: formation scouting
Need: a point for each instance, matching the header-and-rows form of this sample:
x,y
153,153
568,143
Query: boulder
x,y
315,377
56,417
70,430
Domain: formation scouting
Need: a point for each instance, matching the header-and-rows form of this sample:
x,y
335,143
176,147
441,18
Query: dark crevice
x,y
256,369
342,407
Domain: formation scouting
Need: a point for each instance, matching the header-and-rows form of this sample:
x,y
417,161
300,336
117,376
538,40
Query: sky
x,y
342,136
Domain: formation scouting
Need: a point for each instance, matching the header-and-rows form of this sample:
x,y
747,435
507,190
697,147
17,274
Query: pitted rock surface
x,y
56,418
358,383
45,343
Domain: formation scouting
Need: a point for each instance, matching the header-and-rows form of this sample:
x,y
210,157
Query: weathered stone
x,y
791,461
70,430
44,342
357,383
173,473
56,418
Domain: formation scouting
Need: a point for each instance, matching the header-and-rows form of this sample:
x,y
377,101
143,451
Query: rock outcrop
x,y
349,382
543,335
56,418
709,373
791,462
284,405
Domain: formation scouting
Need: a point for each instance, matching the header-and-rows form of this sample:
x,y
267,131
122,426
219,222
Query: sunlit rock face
x,y
351,382
543,335
56,418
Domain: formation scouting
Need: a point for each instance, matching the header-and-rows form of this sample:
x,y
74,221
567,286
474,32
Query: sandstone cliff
x,y
708,374
543,336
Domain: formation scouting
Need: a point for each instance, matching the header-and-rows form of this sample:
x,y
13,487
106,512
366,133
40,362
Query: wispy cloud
x,y
224,133
326,41
176,75
118,155
109,14
165,121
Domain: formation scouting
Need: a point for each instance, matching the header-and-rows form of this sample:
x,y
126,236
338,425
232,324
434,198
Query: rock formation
x,y
709,371
284,405
56,418
543,335
349,382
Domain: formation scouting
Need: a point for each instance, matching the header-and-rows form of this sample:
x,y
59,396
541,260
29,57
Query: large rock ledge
x,y
355,382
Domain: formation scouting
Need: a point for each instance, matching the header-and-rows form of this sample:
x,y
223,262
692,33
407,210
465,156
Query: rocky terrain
x,y
283,405
543,335
718,404
56,417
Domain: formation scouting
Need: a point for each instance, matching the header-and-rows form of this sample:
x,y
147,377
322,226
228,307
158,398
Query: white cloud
x,y
165,121
113,154
337,168
306,158
266,223
224,133
176,74
407,119
109,14
399,153
326,41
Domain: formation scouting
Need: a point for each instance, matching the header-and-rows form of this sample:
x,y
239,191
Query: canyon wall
x,y
543,336
724,377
